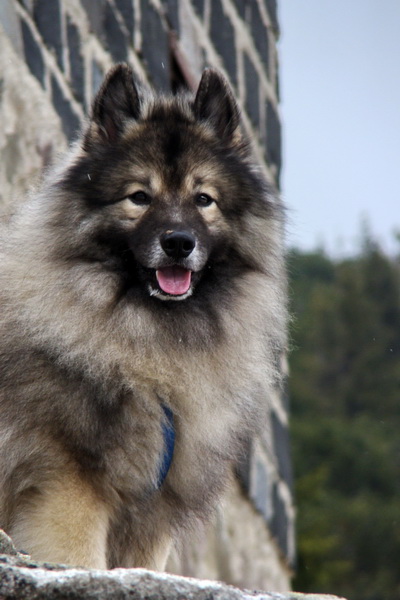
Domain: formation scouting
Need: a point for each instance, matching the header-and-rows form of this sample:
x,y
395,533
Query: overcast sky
x,y
340,88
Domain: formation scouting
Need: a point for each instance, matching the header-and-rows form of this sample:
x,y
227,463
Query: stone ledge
x,y
23,579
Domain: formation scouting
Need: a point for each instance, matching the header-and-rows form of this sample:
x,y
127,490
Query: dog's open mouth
x,y
171,283
174,280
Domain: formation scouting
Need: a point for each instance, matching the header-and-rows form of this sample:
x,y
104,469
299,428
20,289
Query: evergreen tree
x,y
344,389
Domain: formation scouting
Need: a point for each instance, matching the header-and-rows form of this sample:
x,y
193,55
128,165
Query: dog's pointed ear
x,y
215,104
115,104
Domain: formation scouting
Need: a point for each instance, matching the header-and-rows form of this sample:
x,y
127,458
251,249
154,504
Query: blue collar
x,y
168,431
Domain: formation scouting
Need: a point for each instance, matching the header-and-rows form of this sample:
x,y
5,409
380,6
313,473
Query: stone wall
x,y
53,56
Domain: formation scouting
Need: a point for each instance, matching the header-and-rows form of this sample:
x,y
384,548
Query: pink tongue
x,y
174,280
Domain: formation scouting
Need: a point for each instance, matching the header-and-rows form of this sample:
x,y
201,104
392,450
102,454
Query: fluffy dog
x,y
142,318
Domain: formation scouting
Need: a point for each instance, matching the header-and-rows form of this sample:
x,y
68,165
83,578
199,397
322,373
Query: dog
x,y
143,312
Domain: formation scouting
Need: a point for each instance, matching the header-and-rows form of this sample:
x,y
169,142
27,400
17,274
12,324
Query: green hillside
x,y
345,395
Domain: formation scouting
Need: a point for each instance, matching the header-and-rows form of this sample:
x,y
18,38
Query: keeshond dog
x,y
142,319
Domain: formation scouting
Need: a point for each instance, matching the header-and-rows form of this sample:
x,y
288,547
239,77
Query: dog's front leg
x,y
149,554
63,522
159,555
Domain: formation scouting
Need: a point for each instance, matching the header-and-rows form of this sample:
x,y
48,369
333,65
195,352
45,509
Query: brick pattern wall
x,y
53,56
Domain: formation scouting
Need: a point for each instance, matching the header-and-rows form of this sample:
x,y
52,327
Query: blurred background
x,y
340,90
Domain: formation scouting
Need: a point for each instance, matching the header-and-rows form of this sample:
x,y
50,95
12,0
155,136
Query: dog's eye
x,y
140,198
204,200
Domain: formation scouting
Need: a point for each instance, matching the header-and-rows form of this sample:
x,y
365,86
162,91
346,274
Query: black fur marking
x,y
172,147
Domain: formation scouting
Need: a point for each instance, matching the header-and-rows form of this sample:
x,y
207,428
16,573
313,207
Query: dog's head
x,y
166,181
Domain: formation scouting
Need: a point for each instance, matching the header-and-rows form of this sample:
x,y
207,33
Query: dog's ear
x,y
215,104
115,104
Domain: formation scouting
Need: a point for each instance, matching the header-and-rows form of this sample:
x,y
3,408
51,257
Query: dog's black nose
x,y
177,244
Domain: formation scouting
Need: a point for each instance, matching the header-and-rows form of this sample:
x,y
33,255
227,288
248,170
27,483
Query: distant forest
x,y
345,422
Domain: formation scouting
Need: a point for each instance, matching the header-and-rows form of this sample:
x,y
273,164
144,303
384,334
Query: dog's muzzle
x,y
176,280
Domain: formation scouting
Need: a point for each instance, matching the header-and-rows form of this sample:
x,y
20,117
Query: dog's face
x,y
164,181
168,205
173,226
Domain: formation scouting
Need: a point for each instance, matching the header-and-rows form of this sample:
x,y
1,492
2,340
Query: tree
x,y
344,389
